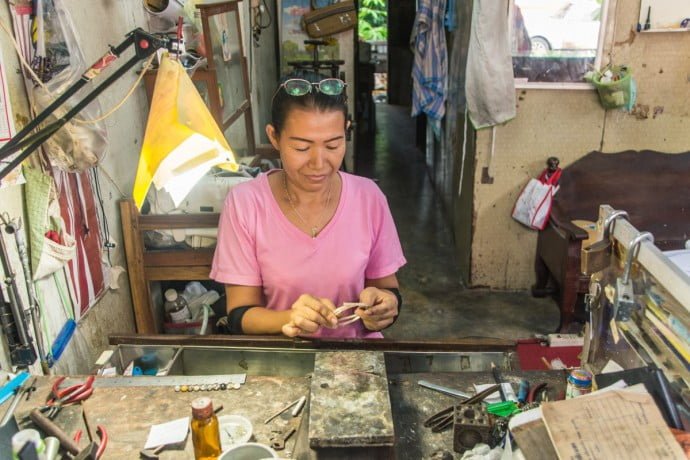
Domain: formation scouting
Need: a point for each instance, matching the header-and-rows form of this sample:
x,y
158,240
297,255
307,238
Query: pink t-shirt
x,y
259,246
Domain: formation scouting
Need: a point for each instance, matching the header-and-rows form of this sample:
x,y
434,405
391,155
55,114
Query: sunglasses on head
x,y
300,87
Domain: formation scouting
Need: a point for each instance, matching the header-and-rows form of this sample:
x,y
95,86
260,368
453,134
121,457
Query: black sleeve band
x,y
396,292
235,319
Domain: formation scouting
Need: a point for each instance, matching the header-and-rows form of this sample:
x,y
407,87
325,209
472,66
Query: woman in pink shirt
x,y
293,244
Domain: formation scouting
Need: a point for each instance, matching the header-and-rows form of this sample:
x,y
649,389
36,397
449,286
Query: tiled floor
x,y
436,305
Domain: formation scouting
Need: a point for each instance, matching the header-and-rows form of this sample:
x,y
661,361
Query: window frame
x,y
521,83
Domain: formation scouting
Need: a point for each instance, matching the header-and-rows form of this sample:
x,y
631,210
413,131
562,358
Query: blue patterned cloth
x,y
430,68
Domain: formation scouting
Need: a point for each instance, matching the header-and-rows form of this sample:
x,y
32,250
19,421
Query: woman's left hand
x,y
383,309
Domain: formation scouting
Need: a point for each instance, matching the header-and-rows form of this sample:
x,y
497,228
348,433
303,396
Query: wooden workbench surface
x,y
128,412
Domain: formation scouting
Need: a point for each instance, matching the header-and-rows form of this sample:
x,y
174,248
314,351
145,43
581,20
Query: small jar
x,y
205,430
579,383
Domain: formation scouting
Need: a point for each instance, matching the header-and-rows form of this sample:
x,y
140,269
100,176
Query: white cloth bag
x,y
533,206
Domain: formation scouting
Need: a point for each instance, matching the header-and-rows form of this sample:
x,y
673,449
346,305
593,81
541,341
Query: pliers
x,y
62,397
103,435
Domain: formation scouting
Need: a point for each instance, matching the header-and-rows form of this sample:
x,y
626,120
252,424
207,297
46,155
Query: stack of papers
x,y
604,424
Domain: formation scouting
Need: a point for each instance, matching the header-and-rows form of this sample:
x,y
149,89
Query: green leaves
x,y
373,20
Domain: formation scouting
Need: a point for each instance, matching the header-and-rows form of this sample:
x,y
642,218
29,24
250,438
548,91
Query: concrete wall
x,y
98,25
569,124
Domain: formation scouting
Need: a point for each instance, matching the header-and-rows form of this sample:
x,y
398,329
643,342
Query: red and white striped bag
x,y
533,206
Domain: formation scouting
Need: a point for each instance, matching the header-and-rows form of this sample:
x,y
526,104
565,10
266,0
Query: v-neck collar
x,y
289,226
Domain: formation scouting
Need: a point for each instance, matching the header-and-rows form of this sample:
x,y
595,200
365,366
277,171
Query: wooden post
x,y
138,284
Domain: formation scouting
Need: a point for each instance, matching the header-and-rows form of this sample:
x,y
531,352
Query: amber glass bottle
x,y
205,432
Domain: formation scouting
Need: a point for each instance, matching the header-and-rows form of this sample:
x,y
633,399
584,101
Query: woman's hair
x,y
283,103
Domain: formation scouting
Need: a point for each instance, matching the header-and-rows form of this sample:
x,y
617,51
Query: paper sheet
x,y
496,396
612,424
173,432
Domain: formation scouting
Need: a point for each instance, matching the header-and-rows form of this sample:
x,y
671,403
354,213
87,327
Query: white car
x,y
574,25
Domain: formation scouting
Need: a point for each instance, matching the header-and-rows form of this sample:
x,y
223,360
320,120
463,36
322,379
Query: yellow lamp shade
x,y
182,140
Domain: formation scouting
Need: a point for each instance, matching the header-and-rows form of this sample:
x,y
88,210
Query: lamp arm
x,y
145,44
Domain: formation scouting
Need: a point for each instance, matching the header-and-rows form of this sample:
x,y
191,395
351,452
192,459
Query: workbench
x,y
127,412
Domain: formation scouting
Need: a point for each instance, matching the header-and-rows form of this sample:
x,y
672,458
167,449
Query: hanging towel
x,y
490,87
451,20
430,68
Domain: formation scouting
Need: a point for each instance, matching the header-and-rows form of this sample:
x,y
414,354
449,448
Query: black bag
x,y
332,19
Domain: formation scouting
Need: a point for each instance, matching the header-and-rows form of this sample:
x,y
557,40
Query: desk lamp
x,y
182,140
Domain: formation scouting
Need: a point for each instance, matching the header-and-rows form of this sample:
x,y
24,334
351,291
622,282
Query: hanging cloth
x,y
430,68
490,86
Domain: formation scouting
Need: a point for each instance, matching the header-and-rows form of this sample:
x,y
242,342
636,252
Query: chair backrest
x,y
653,187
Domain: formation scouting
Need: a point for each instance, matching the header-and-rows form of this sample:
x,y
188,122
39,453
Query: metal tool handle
x,y
14,297
52,429
445,390
19,392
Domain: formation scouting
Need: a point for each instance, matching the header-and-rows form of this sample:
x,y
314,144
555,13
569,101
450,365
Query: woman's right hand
x,y
308,314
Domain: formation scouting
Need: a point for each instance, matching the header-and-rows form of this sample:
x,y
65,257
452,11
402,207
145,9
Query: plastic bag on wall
x,y
58,62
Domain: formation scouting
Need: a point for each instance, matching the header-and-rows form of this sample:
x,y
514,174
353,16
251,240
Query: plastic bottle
x,y
176,309
205,430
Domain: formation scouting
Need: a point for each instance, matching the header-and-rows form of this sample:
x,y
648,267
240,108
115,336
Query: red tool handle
x,y
71,393
100,430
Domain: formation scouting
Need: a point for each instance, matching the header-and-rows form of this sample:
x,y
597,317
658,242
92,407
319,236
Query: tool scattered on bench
x,y
443,420
445,390
299,402
18,394
51,429
151,454
280,437
62,397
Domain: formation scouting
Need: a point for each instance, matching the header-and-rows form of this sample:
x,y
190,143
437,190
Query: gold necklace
x,y
314,229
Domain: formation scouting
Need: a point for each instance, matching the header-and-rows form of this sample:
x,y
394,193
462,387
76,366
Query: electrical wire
x,y
50,93
103,227
257,24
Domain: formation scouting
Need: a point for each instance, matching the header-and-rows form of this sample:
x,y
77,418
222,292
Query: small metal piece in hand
x,y
349,319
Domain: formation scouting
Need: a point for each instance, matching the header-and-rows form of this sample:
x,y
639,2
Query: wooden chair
x,y
653,187
145,265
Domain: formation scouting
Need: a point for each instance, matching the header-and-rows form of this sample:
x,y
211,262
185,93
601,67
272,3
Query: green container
x,y
615,94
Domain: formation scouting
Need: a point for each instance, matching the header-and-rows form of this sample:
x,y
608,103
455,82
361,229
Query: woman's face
x,y
312,146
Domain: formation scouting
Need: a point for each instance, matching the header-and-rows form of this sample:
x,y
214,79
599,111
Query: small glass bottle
x,y
176,309
205,430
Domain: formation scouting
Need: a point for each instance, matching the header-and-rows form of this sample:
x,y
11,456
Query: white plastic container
x,y
248,451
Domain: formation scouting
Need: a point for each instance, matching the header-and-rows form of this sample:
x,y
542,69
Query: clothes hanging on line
x,y
430,67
